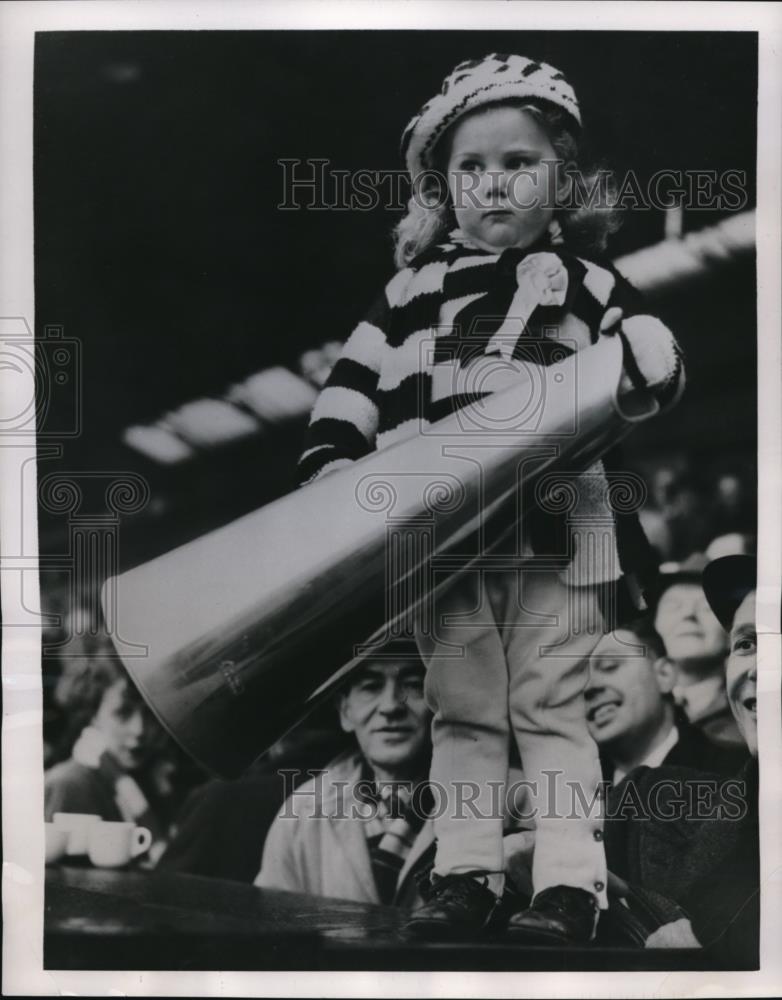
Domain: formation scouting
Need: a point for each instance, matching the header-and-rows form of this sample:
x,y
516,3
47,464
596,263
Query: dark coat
x,y
706,859
222,825
695,750
72,787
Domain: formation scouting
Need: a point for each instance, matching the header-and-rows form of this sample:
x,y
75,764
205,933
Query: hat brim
x,y
726,582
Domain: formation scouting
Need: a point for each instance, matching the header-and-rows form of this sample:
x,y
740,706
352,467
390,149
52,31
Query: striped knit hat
x,y
476,82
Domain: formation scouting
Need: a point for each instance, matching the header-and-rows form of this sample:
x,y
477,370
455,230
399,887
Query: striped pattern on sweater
x,y
407,363
440,311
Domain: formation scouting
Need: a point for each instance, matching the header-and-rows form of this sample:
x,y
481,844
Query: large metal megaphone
x,y
249,624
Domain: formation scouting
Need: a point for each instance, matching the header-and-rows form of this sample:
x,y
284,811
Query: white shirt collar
x,y
655,757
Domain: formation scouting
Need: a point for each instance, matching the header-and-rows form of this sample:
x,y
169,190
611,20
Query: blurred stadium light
x,y
674,262
275,396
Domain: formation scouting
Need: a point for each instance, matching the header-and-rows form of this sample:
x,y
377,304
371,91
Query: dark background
x,y
159,246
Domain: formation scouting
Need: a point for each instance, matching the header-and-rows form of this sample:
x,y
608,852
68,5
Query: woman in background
x,y
118,768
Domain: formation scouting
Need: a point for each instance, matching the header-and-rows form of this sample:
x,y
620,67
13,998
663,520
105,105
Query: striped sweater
x,y
400,368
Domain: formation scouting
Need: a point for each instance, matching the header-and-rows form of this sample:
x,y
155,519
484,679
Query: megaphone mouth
x,y
300,592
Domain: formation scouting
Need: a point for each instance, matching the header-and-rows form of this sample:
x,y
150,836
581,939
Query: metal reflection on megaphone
x,y
243,625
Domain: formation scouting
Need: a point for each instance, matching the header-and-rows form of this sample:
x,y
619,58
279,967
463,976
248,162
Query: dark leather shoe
x,y
459,907
558,915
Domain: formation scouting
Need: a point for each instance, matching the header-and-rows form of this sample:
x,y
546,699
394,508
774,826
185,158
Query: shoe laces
x,y
563,904
460,886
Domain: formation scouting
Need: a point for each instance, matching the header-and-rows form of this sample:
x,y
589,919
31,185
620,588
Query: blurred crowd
x,y
690,509
670,708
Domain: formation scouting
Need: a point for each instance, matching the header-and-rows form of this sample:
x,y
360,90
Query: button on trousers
x,y
508,658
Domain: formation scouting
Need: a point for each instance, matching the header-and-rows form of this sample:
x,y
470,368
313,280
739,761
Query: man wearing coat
x,y
707,862
358,830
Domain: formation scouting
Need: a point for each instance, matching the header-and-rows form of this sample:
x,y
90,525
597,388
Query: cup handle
x,y
142,840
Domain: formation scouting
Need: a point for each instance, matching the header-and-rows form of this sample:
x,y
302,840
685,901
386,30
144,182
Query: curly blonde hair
x,y
585,226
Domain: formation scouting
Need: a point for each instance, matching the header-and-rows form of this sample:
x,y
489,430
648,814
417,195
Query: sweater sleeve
x,y
344,419
653,359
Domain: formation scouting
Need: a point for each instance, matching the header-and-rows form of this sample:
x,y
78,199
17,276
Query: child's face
x,y
499,178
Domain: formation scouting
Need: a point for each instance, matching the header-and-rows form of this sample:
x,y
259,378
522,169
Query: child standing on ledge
x,y
505,260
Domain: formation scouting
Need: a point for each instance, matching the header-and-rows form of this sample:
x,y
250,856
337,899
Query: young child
x,y
505,259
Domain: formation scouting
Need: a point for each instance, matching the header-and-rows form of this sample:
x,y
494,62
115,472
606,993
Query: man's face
x,y
385,708
741,672
687,624
624,697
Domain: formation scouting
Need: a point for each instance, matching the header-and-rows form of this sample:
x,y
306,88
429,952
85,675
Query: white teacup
x,y
112,845
56,842
78,826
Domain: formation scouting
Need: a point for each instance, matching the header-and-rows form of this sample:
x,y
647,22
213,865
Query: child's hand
x,y
653,360
654,349
677,934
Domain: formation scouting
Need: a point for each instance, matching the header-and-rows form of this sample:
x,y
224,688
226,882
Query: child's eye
x,y
518,162
744,645
469,165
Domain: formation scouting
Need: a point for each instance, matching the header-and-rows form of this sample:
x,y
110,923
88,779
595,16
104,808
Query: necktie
x,y
391,832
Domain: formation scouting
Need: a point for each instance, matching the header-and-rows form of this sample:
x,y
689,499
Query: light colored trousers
x,y
510,656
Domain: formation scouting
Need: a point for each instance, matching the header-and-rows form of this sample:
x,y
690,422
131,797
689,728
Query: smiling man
x,y
729,584
358,830
631,713
709,866
741,672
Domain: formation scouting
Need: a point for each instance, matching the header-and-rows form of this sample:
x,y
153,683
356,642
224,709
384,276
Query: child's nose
x,y
493,184
498,181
